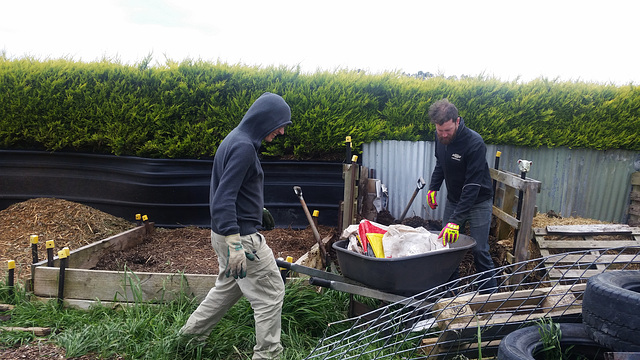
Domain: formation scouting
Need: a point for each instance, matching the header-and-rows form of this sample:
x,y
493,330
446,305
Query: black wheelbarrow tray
x,y
388,279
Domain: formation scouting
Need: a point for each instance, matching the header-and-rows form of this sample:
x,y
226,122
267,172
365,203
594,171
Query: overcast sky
x,y
592,41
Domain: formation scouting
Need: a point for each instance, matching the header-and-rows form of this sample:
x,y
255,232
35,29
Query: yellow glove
x,y
237,262
449,233
431,199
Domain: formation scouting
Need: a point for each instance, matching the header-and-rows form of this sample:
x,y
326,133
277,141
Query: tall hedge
x,y
184,109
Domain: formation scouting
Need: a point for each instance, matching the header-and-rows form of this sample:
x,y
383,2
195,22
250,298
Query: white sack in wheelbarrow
x,y
402,240
399,240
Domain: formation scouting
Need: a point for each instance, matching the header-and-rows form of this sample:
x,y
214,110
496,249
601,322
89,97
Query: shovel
x,y
316,234
419,187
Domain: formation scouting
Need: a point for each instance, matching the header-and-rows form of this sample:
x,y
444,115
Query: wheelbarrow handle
x,y
320,282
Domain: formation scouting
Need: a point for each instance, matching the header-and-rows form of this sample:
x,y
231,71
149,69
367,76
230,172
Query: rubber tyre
x,y
523,343
611,309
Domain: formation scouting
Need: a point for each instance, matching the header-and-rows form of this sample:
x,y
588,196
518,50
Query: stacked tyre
x,y
610,316
611,310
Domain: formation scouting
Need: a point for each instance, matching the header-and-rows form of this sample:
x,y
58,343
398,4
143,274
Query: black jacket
x,y
463,166
236,198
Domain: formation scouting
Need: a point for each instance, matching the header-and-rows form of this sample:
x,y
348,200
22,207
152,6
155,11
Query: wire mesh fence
x,y
461,319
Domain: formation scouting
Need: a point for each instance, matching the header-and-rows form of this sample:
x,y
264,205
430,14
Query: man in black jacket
x,y
236,203
461,163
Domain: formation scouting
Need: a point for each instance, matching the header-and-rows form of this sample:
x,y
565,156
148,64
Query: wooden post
x,y
349,206
50,245
11,266
63,256
34,248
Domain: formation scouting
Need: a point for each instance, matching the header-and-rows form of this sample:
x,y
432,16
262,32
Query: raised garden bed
x,y
138,266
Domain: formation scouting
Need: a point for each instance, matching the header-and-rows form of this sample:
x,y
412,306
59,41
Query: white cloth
x,y
263,287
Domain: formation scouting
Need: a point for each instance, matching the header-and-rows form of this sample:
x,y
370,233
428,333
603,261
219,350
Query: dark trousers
x,y
479,219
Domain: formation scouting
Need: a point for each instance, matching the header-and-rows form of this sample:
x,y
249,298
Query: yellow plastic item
x,y
34,239
62,254
145,218
375,240
316,213
11,264
348,139
66,251
138,217
354,158
498,153
50,244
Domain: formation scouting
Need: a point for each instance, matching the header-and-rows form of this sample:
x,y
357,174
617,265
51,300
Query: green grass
x,y
146,331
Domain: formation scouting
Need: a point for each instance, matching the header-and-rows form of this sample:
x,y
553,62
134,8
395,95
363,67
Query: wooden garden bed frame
x,y
84,287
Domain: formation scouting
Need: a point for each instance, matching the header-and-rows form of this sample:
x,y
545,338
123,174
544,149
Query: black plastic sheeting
x,y
172,193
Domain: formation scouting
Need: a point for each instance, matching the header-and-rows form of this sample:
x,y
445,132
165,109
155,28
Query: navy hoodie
x,y
236,198
463,165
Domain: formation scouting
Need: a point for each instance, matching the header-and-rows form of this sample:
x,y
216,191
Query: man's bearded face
x,y
447,131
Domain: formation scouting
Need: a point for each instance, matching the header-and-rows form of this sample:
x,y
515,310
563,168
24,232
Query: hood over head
x,y
268,113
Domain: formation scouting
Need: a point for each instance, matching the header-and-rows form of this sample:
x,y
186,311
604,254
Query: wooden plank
x,y
540,231
511,220
597,229
88,256
602,259
508,219
556,273
85,304
119,286
521,251
585,244
511,179
36,330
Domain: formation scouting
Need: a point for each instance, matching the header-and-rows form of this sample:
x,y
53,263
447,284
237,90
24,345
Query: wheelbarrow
x,y
385,279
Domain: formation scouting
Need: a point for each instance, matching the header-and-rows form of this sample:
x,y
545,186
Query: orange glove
x,y
449,234
431,199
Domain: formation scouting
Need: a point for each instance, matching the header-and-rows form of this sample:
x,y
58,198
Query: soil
x,y
187,249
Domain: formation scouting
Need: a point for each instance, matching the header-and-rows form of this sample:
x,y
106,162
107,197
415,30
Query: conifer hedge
x,y
184,109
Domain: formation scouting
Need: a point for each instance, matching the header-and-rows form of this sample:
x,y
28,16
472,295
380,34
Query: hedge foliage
x,y
184,109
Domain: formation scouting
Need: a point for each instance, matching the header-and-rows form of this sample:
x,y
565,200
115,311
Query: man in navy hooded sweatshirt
x,y
236,202
461,163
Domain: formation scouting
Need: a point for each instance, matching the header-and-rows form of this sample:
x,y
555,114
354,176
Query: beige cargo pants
x,y
262,286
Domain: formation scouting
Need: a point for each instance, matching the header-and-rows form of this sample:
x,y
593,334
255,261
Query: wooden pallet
x,y
496,315
596,237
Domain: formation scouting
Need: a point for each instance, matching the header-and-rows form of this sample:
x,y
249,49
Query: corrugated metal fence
x,y
575,182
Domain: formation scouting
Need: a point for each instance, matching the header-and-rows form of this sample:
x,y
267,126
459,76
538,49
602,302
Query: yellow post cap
x,y
66,251
138,216
50,244
316,213
34,239
62,254
498,153
354,158
348,139
289,259
145,217
11,264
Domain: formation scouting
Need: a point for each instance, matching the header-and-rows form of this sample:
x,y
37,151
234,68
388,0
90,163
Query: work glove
x,y
237,263
431,199
267,220
449,233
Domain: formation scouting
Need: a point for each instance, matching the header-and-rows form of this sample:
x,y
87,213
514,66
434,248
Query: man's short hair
x,y
442,111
